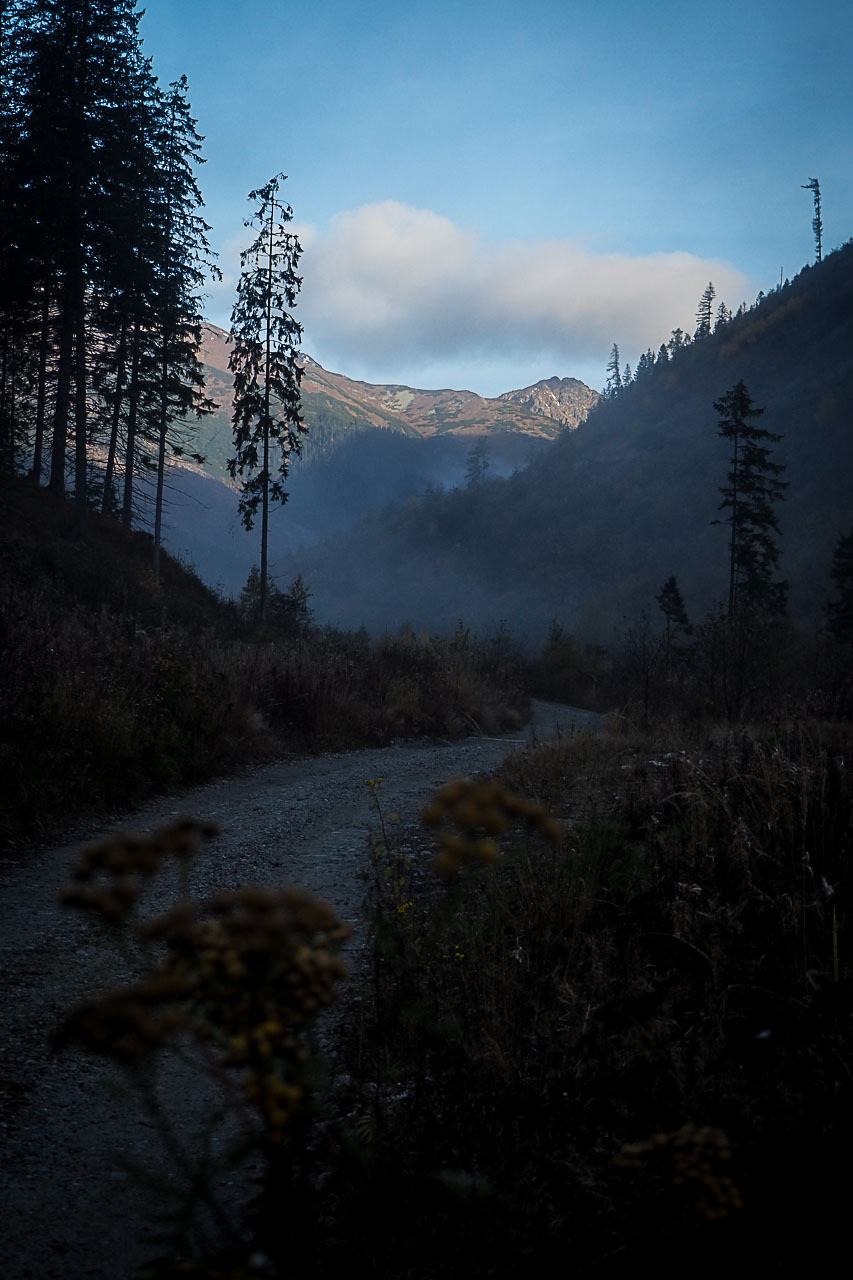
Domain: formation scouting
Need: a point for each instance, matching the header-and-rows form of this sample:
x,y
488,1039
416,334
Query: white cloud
x,y
388,282
398,294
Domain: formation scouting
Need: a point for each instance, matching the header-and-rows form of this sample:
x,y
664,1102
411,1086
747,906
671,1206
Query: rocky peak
x,y
565,400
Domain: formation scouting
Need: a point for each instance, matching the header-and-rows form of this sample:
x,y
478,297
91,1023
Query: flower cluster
x,y
130,1022
480,811
108,878
696,1154
244,972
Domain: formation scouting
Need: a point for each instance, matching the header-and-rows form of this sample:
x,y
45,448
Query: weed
x,y
240,978
675,965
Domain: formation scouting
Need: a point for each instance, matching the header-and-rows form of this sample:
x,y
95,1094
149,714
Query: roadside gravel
x,y
69,1210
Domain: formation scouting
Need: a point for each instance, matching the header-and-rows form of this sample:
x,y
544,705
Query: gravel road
x,y
69,1210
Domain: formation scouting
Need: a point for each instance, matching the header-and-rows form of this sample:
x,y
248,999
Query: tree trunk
x,y
118,390
265,508
80,452
161,453
41,395
63,394
130,444
733,546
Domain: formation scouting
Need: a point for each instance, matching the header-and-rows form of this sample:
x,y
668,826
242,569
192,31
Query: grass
x,y
602,1019
631,1049
114,687
619,1042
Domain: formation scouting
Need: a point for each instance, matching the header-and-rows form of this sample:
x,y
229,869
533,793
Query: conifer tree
x,y
101,248
613,386
705,311
78,63
22,293
724,315
477,464
839,612
265,364
750,497
670,601
817,223
182,253
678,340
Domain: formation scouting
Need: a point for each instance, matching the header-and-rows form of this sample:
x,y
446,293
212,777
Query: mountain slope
x,y
566,400
334,406
367,445
591,532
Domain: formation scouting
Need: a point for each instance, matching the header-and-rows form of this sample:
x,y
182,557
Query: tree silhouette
x,y
100,256
817,225
264,361
705,311
613,386
670,601
839,612
750,498
477,464
182,251
81,76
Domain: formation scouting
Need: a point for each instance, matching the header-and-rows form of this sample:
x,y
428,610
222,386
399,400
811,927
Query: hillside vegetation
x,y
334,405
113,686
366,447
589,533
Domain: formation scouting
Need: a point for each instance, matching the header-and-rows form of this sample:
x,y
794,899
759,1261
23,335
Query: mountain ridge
x,y
413,410
566,400
367,445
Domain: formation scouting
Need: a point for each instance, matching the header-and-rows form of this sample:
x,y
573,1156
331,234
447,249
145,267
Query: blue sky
x,y
492,193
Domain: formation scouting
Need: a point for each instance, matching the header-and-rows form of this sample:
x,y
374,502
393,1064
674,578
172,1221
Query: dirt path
x,y
68,1209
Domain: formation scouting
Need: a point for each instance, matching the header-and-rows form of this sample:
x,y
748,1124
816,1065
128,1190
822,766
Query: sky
x,y
491,193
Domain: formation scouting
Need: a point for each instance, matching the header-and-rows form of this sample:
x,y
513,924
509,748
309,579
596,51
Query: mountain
x,y
367,445
590,532
410,410
565,400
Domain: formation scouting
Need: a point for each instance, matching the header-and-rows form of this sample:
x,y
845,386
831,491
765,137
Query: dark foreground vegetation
x,y
602,1018
622,1039
114,686
631,1049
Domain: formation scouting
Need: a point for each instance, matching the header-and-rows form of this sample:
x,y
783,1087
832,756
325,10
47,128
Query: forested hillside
x,y
103,259
361,452
366,446
590,533
335,407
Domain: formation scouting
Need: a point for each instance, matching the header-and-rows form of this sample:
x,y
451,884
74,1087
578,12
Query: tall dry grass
x,y
113,686
630,1050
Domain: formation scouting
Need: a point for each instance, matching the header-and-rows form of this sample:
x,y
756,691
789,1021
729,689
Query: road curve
x,y
70,1212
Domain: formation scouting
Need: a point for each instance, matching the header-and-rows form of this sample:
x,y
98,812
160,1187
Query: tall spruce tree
x,y
78,63
182,254
705,311
477,464
839,611
670,601
101,249
750,498
614,384
817,222
21,283
265,364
